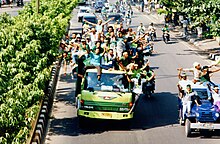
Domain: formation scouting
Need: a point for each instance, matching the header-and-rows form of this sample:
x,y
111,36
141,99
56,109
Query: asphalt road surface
x,y
155,120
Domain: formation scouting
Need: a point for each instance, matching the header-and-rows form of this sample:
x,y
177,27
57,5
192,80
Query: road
x,y
155,120
12,9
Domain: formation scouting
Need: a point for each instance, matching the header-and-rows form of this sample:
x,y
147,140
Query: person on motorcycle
x,y
165,31
104,12
128,19
141,29
150,77
152,30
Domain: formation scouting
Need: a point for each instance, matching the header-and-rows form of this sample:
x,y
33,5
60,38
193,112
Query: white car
x,y
82,12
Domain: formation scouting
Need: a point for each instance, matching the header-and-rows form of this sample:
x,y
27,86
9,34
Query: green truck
x,y
112,99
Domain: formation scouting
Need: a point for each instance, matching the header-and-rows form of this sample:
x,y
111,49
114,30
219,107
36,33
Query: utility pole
x,y
38,5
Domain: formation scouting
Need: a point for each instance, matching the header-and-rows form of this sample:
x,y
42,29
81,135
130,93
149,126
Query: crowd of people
x,y
201,76
116,49
108,47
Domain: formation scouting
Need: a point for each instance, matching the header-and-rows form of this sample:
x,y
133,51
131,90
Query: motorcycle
x,y
104,15
147,89
128,22
148,50
166,37
152,35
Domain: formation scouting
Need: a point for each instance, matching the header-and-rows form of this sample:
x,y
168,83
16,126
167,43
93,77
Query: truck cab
x,y
112,99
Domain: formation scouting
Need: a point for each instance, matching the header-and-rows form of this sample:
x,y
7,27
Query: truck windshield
x,y
109,82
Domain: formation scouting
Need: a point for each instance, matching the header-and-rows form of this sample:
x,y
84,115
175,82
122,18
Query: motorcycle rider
x,y
152,30
141,29
104,12
128,19
150,77
166,30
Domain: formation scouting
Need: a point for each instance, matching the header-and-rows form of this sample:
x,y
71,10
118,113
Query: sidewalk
x,y
12,9
209,46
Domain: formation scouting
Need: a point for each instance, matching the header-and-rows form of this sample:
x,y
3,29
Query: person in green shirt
x,y
125,60
150,76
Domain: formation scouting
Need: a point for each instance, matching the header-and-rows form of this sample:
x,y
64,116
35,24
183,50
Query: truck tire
x,y
188,130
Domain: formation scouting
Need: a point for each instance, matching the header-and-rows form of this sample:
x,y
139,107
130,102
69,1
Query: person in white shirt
x,y
187,100
197,71
141,29
152,30
215,95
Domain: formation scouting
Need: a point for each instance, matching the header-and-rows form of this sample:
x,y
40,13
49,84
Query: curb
x,y
46,106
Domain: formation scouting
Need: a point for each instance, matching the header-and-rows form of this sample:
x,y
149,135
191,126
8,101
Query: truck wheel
x,y
188,130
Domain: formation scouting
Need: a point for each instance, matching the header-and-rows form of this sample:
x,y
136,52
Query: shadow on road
x,y
160,110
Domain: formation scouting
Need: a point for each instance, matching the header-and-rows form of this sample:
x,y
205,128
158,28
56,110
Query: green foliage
x,y
201,12
28,46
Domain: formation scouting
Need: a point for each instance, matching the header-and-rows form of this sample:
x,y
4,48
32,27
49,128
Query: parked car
x,y
90,17
82,12
118,18
98,5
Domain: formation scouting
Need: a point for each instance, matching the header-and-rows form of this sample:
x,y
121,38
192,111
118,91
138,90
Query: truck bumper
x,y
205,126
104,115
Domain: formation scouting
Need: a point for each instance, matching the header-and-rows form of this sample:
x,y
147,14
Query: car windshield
x,y
109,82
99,3
116,17
91,19
84,11
202,93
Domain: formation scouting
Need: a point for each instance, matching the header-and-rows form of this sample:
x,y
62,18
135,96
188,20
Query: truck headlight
x,y
88,107
123,109
197,114
217,115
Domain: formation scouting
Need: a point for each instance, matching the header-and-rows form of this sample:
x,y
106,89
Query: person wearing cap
x,y
188,98
197,71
